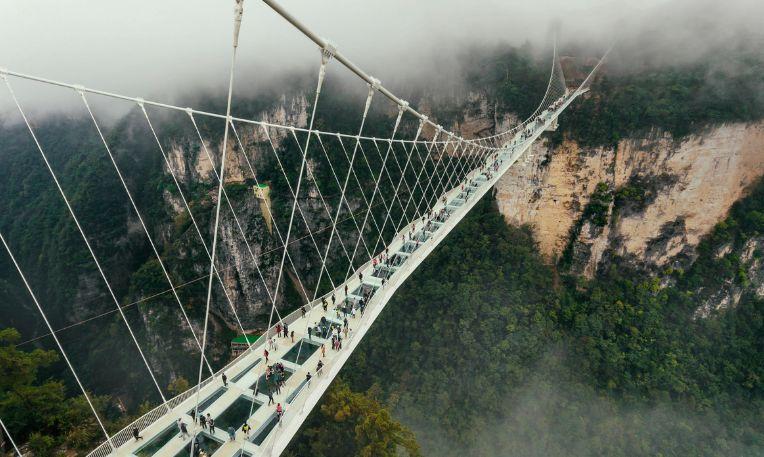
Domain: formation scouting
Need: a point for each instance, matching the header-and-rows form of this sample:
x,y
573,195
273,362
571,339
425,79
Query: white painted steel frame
x,y
159,419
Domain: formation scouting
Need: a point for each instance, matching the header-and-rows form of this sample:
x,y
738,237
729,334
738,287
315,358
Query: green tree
x,y
354,424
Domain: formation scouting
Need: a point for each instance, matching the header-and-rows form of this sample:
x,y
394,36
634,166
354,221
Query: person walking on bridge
x,y
211,423
279,411
183,430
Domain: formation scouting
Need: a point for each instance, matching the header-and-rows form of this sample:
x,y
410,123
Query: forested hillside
x,y
488,349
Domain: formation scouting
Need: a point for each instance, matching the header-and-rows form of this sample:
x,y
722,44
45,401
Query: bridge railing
x,y
148,419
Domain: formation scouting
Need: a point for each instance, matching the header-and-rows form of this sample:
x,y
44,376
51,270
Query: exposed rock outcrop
x,y
691,184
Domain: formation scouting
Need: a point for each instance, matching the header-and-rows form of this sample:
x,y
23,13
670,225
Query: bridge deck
x,y
230,405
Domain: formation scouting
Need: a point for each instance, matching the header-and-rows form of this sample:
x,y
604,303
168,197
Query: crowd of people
x,y
336,333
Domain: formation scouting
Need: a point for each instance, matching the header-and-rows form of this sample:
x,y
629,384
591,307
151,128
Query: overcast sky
x,y
158,48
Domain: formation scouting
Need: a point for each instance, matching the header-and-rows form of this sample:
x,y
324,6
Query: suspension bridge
x,y
422,188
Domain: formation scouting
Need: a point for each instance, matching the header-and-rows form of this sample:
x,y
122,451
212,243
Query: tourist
x,y
136,434
225,380
302,310
278,329
333,300
310,333
211,423
279,411
324,304
323,351
265,353
270,397
307,378
319,368
231,434
245,429
183,429
286,330
292,335
203,421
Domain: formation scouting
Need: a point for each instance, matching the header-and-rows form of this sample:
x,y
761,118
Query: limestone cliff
x,y
686,186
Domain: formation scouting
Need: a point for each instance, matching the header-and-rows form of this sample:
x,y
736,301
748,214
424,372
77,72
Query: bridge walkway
x,y
237,402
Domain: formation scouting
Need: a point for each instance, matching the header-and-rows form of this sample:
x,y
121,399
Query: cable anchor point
x,y
238,12
328,52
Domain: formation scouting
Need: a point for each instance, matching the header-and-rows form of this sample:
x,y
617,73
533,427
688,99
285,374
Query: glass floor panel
x,y
263,432
397,260
262,384
421,236
245,371
296,392
209,400
364,289
409,247
206,443
236,414
382,272
150,448
304,352
432,226
325,327
241,453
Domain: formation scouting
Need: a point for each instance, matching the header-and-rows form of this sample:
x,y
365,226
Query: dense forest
x,y
494,349
502,357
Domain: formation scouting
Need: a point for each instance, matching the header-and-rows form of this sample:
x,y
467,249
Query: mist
x,y
558,413
167,50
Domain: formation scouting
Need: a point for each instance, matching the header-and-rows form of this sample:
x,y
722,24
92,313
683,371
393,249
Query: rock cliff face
x,y
683,188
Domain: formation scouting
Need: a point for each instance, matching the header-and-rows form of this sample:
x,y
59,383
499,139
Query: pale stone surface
x,y
710,170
